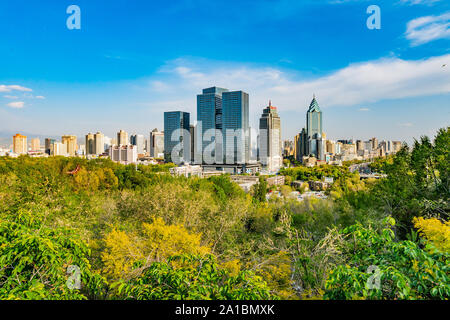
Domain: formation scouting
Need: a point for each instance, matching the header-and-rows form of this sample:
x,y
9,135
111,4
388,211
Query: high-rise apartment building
x,y
331,147
301,145
177,141
397,145
35,144
124,154
90,144
99,143
20,145
374,142
209,125
58,149
235,127
359,145
138,140
288,148
48,145
71,143
269,149
156,144
122,138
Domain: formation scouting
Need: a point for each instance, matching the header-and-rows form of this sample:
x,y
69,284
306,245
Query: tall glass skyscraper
x,y
269,149
311,141
235,124
314,129
209,120
177,142
314,120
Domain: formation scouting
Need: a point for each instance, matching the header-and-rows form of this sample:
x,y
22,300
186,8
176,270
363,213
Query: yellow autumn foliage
x,y
163,241
277,273
233,267
157,243
120,253
435,231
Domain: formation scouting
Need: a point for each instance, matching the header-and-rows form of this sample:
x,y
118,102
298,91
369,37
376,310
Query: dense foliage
x,y
140,233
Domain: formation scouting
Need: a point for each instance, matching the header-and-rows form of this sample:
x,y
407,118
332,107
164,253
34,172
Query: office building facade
x,y
235,127
209,135
177,142
156,144
269,148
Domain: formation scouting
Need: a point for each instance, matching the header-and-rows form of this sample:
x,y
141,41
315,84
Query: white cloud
x,y
9,88
361,83
40,97
428,28
364,109
10,97
16,105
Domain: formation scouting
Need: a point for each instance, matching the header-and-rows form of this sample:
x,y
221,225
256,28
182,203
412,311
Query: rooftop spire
x,y
314,106
270,103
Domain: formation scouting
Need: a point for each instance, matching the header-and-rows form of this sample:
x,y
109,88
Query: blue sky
x,y
133,60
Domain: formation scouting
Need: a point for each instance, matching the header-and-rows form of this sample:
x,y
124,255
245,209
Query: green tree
x,y
405,270
192,278
34,262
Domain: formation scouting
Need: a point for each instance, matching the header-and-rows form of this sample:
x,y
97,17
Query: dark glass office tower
x,y
235,126
209,120
177,136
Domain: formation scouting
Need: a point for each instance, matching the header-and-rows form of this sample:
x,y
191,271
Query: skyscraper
x,y
312,140
314,128
177,142
235,127
156,144
314,120
209,121
269,150
20,145
122,138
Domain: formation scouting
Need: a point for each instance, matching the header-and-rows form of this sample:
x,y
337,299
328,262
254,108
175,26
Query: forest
x,y
116,232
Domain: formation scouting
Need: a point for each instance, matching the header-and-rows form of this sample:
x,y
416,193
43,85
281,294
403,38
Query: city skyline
x,y
129,135
393,83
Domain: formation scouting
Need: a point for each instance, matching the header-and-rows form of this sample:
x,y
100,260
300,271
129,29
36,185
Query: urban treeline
x,y
142,233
